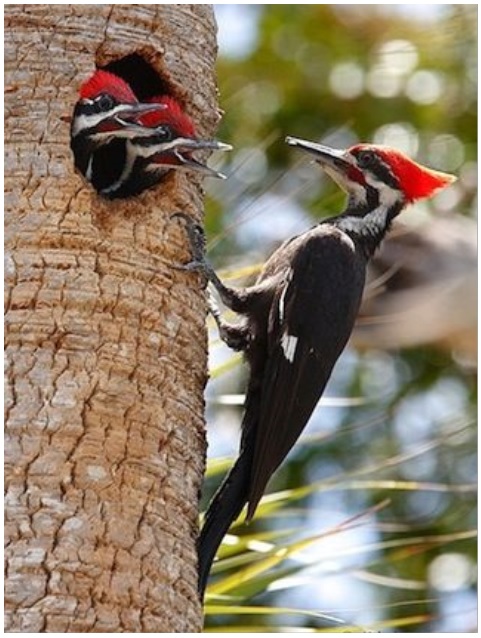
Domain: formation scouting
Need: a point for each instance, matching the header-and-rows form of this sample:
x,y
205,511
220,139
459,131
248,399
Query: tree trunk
x,y
105,340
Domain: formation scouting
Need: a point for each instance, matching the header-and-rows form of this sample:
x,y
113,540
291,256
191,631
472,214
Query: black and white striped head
x,y
375,175
173,141
107,109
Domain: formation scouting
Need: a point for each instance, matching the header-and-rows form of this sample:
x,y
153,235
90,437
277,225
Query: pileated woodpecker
x,y
299,315
122,146
105,115
167,142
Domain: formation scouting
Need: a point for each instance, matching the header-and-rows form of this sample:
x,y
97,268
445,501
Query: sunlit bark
x,y
105,340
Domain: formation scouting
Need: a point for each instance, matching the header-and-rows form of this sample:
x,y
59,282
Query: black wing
x,y
311,319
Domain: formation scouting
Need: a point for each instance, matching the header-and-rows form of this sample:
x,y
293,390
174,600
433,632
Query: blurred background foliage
x,y
384,476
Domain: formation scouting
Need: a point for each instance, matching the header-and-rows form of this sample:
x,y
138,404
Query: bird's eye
x,y
163,133
105,103
366,159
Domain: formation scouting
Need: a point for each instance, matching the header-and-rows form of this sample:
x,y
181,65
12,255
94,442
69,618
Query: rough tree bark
x,y
105,341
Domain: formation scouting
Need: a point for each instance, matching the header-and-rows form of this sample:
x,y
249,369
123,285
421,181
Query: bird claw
x,y
195,234
196,267
192,265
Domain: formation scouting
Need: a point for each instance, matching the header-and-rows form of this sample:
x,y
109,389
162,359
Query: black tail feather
x,y
224,508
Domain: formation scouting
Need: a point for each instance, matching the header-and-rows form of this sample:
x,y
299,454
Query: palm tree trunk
x,y
105,340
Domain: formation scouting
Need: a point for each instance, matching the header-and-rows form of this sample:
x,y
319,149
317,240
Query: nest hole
x,y
145,81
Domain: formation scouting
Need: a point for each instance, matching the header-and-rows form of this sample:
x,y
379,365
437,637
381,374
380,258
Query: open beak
x,y
124,122
178,154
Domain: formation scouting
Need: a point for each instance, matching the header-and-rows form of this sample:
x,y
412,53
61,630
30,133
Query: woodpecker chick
x,y
105,115
298,316
123,147
169,145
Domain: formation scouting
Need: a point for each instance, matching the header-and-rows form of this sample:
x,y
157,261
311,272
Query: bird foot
x,y
235,336
195,234
199,263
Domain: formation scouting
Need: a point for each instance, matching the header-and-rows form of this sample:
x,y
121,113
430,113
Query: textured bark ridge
x,y
105,341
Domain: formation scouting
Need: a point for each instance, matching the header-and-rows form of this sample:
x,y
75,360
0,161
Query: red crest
x,y
105,82
172,115
415,180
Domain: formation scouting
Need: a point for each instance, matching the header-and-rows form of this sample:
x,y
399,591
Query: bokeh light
x,y
404,76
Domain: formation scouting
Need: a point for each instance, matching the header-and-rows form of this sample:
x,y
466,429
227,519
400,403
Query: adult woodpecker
x,y
299,314
122,146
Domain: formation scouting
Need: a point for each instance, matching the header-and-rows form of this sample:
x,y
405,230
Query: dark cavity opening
x,y
144,80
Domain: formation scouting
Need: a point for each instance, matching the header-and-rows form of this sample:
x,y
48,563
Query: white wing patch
x,y
288,342
289,345
281,304
283,295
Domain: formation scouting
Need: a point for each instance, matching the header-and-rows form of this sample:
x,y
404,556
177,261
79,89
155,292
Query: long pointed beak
x,y
324,155
189,144
141,108
124,122
177,154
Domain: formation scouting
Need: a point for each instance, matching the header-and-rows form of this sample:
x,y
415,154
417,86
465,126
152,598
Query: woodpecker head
x,y
123,147
173,140
373,173
107,108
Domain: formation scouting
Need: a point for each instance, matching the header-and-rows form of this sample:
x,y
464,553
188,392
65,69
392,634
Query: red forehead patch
x,y
416,181
172,115
105,82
